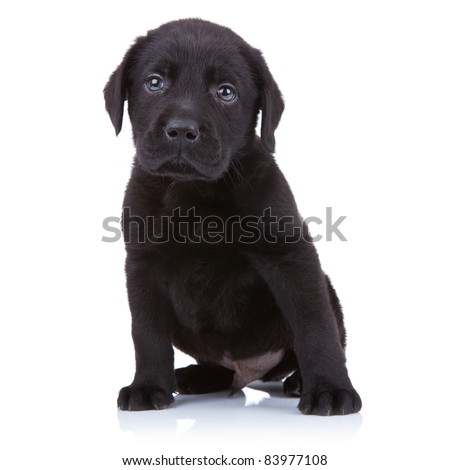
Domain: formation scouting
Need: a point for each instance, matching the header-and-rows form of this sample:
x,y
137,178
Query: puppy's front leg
x,y
295,277
152,319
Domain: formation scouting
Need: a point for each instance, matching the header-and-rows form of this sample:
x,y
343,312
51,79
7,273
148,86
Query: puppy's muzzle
x,y
182,131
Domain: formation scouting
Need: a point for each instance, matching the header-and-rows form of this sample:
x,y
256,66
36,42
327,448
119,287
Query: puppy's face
x,y
194,91
192,104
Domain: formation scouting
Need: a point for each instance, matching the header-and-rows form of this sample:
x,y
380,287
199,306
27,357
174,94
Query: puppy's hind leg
x,y
292,386
203,378
287,365
337,310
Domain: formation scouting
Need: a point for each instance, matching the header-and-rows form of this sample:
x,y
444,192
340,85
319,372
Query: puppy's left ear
x,y
116,89
272,104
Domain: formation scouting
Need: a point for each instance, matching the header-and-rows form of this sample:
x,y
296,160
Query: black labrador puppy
x,y
219,262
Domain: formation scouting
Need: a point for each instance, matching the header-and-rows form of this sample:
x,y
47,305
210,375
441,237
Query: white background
x,y
365,131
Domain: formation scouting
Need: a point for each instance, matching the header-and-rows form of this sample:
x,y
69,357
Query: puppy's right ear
x,y
271,101
116,89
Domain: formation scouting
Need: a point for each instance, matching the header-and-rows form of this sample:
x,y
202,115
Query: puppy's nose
x,y
184,130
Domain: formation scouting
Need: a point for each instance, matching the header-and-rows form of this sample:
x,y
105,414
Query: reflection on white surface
x,y
182,426
260,411
254,397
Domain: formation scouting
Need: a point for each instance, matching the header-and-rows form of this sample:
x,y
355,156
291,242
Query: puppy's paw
x,y
328,400
196,379
135,398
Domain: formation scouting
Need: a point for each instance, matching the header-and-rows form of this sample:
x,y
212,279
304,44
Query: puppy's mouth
x,y
181,166
178,168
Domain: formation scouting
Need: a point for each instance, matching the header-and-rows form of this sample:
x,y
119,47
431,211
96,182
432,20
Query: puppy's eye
x,y
226,93
154,83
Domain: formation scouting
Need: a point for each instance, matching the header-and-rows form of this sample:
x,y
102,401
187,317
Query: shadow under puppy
x,y
219,262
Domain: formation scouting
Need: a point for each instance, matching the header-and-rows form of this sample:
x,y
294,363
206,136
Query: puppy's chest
x,y
211,281
213,288
195,225
210,274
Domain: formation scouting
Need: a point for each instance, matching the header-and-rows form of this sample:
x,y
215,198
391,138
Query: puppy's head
x,y
194,90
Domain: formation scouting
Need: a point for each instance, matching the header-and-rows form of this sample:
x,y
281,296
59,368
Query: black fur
x,y
214,300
